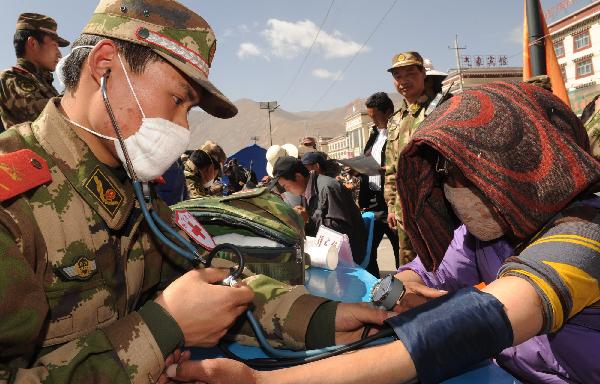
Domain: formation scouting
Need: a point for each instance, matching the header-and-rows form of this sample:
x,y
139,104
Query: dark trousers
x,y
379,229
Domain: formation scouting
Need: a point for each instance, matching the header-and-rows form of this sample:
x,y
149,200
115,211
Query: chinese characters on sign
x,y
478,61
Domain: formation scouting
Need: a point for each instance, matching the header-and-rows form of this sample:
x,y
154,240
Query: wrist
x,y
162,325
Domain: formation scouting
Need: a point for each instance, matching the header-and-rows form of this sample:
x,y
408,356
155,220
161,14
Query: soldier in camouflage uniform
x,y
88,293
409,78
591,120
26,88
201,169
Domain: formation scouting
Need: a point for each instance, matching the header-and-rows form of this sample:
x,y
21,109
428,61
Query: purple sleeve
x,y
457,270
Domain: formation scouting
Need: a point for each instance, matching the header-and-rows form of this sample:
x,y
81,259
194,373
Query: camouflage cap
x,y
42,23
405,59
180,36
541,81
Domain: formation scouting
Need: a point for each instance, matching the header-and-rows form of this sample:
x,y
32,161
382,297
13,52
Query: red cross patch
x,y
186,221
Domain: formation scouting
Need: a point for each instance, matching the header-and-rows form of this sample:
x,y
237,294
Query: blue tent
x,y
255,154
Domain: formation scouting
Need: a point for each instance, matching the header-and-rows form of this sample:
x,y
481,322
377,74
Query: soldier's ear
x,y
31,43
102,58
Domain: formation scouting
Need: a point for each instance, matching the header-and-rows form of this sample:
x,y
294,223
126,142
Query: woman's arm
x,y
391,363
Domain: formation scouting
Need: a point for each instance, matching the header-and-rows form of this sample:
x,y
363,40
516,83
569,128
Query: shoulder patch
x,y
21,171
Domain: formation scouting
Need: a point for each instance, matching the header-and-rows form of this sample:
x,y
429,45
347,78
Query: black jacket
x,y
367,199
331,204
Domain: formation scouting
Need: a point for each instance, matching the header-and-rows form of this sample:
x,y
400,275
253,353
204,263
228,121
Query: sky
x,y
261,44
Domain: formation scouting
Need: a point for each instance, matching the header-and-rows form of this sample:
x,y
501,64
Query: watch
x,y
387,291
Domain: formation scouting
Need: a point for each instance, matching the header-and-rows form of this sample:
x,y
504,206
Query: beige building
x,y
576,39
358,124
472,77
337,147
352,142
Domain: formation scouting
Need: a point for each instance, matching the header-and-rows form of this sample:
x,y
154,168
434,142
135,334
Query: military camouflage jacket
x,y
24,92
79,268
193,181
401,126
592,126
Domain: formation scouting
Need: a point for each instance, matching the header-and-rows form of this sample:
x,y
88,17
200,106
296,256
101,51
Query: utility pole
x,y
537,50
271,106
458,67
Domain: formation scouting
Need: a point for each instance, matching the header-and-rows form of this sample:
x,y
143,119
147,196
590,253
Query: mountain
x,y
287,127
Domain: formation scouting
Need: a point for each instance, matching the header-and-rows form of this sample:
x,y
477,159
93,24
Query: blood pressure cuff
x,y
447,335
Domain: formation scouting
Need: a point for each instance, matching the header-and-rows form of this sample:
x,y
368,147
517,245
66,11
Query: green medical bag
x,y
269,232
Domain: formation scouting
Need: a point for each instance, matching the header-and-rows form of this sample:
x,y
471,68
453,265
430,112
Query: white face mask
x,y
156,145
58,71
470,208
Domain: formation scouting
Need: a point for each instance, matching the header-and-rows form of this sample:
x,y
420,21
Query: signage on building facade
x,y
479,61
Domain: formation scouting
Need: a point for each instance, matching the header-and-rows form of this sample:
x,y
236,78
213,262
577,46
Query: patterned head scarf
x,y
517,143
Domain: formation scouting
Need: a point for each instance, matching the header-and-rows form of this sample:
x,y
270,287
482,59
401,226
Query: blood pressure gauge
x,y
386,292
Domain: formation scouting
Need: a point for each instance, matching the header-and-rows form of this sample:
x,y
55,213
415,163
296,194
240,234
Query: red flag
x,y
552,67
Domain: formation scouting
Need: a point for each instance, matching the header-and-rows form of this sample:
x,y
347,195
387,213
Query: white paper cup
x,y
325,257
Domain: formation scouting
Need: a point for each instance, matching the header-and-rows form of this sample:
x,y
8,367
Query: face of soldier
x,y
171,98
409,81
45,54
209,174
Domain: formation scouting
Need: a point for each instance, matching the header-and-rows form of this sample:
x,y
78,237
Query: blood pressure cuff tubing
x,y
447,335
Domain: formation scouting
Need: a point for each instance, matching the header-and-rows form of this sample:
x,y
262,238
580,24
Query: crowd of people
x,y
496,187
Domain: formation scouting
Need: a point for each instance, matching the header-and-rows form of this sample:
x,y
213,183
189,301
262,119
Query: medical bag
x,y
269,232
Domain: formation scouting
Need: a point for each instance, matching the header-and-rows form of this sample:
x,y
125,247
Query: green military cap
x,y
180,36
42,23
405,59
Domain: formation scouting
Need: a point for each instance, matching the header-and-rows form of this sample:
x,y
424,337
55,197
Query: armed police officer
x,y
26,87
89,294
420,98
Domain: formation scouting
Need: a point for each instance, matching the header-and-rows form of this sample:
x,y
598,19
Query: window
x,y
559,48
584,68
581,41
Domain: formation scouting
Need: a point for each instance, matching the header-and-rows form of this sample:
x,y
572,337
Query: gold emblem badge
x,y
400,58
83,269
104,191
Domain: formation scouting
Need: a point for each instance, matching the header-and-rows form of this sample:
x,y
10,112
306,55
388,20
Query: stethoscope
x,y
183,247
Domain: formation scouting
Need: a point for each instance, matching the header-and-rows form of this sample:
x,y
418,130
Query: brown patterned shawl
x,y
517,143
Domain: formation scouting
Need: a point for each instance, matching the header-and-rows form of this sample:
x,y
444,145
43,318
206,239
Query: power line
x,y
339,75
307,54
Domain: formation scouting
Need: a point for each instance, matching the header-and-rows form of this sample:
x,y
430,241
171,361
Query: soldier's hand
x,y
171,362
350,319
204,311
391,219
216,371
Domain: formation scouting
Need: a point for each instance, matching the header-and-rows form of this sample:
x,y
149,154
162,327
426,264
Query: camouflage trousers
x,y
407,253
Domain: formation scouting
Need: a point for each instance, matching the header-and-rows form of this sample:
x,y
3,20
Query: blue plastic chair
x,y
369,221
